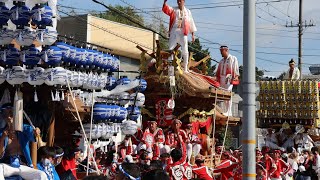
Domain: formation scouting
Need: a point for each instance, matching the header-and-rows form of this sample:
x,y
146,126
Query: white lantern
x,y
48,77
6,36
140,100
16,75
2,75
56,76
70,77
124,98
36,76
25,37
59,76
50,36
129,127
40,1
87,81
74,79
81,79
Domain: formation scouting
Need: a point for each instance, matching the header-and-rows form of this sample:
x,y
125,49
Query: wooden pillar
x,y
34,149
50,139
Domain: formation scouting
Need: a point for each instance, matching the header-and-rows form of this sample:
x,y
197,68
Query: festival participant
x,y
316,160
272,140
136,140
179,169
285,136
46,164
128,171
111,165
165,159
308,164
14,148
153,135
171,139
238,169
302,140
193,143
260,166
125,147
282,167
200,170
261,172
227,74
59,155
181,24
270,165
69,163
227,166
293,73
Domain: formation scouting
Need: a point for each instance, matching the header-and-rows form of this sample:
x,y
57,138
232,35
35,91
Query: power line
x,y
222,6
287,15
270,14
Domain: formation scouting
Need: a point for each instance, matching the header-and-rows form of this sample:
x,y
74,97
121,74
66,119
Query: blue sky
x,y
223,25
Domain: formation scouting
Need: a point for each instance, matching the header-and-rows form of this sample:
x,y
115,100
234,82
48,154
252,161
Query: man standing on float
x,y
181,24
227,75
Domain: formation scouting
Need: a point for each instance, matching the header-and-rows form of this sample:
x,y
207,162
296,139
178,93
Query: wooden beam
x,y
201,61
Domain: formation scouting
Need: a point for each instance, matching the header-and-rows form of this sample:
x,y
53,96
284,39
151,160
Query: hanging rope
x,y
214,128
90,137
225,133
81,125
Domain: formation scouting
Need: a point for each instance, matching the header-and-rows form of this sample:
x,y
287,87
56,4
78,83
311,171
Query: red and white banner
x,y
163,112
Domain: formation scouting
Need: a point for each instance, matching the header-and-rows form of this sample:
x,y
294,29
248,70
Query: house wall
x,y
116,35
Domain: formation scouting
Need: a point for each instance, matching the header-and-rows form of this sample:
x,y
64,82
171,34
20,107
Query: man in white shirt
x,y
181,24
293,73
227,74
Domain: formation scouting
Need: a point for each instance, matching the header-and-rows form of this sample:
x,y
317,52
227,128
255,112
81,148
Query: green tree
x,y
116,17
199,53
259,73
220,132
281,76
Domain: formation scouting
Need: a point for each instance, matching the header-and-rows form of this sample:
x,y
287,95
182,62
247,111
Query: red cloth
x,y
202,172
65,165
238,172
271,167
226,168
137,137
163,112
172,141
228,71
196,125
179,168
171,12
281,167
263,175
157,135
209,79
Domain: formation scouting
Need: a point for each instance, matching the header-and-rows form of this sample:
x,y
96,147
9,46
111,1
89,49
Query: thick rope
x,y
214,129
90,136
80,121
225,133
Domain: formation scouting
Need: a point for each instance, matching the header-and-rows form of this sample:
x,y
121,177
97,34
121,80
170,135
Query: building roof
x,y
121,38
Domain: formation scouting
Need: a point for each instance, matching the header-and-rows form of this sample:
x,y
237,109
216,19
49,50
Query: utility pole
x,y
249,91
300,25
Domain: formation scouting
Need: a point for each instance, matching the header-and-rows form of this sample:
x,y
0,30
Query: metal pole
x,y
300,38
249,79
